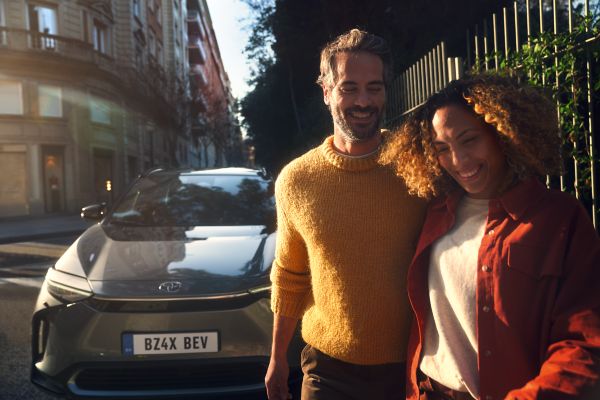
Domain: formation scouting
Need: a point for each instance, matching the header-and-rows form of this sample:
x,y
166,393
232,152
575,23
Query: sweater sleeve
x,y
572,365
290,274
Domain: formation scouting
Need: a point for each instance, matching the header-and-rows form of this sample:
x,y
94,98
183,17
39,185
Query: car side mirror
x,y
94,212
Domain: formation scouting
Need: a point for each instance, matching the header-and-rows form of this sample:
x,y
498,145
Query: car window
x,y
196,200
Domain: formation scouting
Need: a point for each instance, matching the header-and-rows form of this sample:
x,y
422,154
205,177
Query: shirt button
x,y
487,353
488,397
485,268
490,232
486,309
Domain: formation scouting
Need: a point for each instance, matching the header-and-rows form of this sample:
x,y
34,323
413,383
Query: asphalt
x,y
34,228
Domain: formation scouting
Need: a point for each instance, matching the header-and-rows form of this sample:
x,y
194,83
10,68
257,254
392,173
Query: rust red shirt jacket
x,y
538,295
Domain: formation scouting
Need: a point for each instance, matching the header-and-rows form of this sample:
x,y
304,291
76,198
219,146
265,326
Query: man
x,y
346,234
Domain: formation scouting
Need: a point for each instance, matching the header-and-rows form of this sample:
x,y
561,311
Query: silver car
x,y
167,296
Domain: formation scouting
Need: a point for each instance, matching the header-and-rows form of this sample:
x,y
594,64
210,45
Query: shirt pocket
x,y
535,261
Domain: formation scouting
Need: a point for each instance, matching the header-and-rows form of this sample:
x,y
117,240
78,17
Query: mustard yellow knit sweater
x,y
347,230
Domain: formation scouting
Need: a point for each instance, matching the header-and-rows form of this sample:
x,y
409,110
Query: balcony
x,y
197,54
199,102
194,23
19,47
33,42
198,75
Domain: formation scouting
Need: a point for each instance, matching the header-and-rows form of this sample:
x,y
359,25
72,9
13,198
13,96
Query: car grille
x,y
158,306
171,377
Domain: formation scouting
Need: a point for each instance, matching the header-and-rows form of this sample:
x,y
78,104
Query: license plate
x,y
170,343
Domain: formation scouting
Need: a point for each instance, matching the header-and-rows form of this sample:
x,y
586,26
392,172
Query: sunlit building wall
x,y
90,91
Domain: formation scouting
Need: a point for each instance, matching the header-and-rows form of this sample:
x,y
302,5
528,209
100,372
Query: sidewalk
x,y
26,229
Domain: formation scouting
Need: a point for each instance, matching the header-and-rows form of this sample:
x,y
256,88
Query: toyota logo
x,y
170,286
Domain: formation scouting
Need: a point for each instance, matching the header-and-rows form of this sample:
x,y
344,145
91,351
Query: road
x,y
19,286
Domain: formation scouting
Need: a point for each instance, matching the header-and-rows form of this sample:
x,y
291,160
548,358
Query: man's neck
x,y
353,148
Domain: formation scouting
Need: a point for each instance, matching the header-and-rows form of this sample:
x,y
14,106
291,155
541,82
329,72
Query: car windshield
x,y
196,200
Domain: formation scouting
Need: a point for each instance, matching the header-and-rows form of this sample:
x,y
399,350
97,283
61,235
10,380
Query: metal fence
x,y
505,36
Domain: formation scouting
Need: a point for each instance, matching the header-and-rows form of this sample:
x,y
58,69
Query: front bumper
x,y
77,351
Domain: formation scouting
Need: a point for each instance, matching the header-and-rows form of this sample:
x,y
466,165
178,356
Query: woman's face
x,y
468,149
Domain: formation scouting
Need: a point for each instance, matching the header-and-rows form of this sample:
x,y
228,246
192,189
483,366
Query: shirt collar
x,y
515,202
518,199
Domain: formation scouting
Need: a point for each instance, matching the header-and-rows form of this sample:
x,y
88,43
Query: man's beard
x,y
350,134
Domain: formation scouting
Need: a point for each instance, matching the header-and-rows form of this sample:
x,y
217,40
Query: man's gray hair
x,y
353,41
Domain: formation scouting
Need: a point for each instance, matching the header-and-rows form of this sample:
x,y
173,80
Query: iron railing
x,y
489,45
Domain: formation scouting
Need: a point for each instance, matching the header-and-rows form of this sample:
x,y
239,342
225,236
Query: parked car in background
x,y
167,295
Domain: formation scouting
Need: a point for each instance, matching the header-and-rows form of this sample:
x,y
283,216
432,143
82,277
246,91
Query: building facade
x,y
92,92
213,108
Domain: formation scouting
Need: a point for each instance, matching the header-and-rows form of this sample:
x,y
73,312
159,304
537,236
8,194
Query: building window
x,y
2,23
50,101
158,12
139,57
177,59
44,21
137,9
100,37
159,54
84,26
99,111
151,43
11,98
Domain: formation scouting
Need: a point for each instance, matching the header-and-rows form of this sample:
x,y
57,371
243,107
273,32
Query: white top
x,y
450,348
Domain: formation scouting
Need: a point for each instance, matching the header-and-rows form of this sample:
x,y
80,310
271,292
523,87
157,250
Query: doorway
x,y
54,178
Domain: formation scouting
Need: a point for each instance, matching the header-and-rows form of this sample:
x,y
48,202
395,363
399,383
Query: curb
x,y
38,236
32,248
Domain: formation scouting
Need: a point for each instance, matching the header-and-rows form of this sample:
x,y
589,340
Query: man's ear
x,y
326,93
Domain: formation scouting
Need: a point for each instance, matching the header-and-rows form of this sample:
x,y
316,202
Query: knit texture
x,y
347,230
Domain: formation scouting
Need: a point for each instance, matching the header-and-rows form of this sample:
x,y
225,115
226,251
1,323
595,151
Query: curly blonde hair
x,y
524,119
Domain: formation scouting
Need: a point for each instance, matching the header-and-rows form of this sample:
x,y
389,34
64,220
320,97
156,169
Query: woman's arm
x,y
571,369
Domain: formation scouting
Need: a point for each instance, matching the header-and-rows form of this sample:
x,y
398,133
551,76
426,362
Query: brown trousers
x,y
327,378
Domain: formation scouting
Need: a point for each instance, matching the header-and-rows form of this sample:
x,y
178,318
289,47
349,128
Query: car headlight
x,y
66,287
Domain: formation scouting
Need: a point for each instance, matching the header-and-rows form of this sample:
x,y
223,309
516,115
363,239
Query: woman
x,y
505,282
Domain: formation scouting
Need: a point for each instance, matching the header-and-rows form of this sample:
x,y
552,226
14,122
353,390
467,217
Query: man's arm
x,y
278,372
291,285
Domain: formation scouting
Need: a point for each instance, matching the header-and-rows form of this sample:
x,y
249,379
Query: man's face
x,y
357,98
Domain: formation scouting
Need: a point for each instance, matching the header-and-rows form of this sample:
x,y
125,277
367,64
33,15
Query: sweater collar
x,y
352,164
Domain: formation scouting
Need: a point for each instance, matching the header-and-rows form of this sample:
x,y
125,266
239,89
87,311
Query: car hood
x,y
133,262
